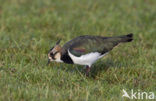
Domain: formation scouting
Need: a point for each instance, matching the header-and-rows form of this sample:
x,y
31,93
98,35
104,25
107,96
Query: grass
x,y
29,28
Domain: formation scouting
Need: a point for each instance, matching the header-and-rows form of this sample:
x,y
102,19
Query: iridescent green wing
x,y
87,44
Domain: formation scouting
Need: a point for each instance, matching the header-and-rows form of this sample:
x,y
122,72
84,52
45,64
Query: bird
x,y
86,49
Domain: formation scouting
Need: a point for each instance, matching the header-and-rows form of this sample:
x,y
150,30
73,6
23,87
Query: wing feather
x,y
86,44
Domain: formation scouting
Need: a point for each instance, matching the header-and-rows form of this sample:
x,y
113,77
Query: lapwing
x,y
85,50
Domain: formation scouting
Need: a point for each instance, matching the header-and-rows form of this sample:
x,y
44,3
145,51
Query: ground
x,y
29,28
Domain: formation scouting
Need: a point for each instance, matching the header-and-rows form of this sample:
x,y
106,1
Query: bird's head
x,y
55,53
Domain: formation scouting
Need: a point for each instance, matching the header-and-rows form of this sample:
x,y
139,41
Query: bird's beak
x,y
48,62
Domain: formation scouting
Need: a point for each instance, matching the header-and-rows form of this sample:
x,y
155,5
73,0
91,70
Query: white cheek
x,y
58,58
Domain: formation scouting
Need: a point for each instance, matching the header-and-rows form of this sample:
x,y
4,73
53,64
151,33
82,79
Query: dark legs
x,y
87,70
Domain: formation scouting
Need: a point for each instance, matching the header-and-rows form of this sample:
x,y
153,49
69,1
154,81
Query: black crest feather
x,y
58,42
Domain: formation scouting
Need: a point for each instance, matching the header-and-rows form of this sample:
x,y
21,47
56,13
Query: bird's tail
x,y
126,38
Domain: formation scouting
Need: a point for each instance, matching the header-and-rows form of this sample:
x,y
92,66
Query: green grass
x,y
29,28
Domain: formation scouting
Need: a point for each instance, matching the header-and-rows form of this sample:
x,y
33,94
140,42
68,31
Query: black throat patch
x,y
66,58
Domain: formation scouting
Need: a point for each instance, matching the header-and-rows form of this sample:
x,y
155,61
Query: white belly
x,y
87,59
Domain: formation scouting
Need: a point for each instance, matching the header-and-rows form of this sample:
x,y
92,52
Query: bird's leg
x,y
87,70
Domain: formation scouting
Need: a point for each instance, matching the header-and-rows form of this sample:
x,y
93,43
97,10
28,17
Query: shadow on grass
x,y
102,66
97,68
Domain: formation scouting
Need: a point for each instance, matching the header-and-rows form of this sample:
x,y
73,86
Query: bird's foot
x,y
87,70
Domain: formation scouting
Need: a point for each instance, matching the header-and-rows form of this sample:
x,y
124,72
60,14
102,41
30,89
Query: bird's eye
x,y
51,54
